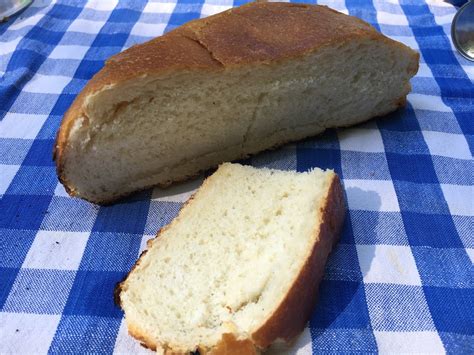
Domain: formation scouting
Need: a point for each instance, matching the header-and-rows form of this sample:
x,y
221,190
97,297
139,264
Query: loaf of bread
x,y
240,266
222,88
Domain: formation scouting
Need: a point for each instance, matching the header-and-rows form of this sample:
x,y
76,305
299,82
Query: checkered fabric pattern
x,y
400,280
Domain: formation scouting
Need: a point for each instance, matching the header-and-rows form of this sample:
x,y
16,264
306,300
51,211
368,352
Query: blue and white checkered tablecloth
x,y
400,280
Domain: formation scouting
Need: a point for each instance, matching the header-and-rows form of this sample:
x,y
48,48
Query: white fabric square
x,y
385,18
460,199
15,328
445,19
148,29
159,7
10,46
427,102
21,125
449,145
86,26
211,9
469,69
410,41
56,250
145,239
51,84
301,346
177,192
101,5
23,22
409,342
371,195
68,52
125,344
434,3
361,140
60,190
424,71
470,253
390,264
7,173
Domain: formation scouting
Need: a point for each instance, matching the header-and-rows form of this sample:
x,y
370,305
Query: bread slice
x,y
239,268
222,88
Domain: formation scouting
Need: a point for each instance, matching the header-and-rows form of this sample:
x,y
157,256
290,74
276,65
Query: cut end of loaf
x,y
239,266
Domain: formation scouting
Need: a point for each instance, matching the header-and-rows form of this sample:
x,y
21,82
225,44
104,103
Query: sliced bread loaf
x,y
222,88
239,268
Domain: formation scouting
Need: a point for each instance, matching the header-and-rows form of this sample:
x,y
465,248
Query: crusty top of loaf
x,y
256,33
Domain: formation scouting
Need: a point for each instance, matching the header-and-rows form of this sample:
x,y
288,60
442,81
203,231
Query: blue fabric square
x,y
402,120
407,142
70,214
14,245
7,278
66,11
177,18
13,151
85,334
110,40
326,140
41,153
341,305
50,128
438,121
23,212
421,198
63,67
346,234
111,251
343,264
436,231
378,228
420,168
44,36
398,308
444,302
454,171
88,68
159,215
62,104
39,291
457,343
128,216
463,225
34,180
125,15
365,166
309,158
78,38
364,10
27,102
444,267
426,86
92,294
343,341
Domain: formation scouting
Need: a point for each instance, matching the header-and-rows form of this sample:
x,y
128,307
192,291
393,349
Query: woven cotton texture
x,y
401,278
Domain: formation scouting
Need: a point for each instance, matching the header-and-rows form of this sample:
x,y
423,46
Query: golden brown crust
x,y
290,318
256,33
